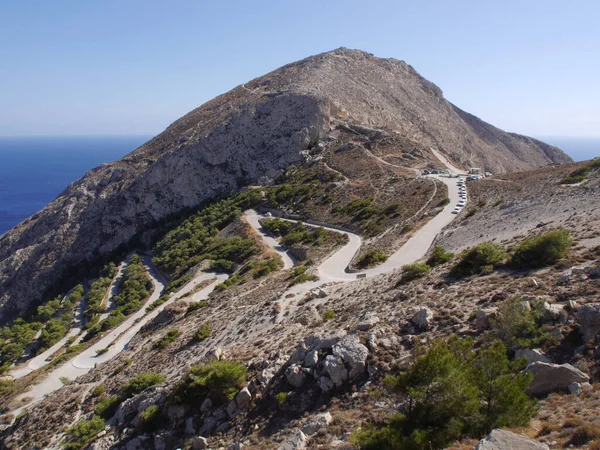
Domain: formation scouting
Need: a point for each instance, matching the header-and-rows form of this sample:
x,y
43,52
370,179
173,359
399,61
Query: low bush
x,y
107,407
167,339
159,301
519,324
142,382
82,432
218,380
452,391
281,397
371,258
478,260
299,275
413,271
439,256
203,332
328,315
195,307
543,250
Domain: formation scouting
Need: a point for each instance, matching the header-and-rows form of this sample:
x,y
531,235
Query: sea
x,y
35,170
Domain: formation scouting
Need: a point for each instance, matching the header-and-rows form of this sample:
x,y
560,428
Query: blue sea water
x,y
35,170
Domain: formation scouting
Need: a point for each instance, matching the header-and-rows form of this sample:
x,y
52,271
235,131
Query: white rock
x,y
551,311
532,355
505,440
578,388
317,423
553,377
296,442
372,342
243,399
353,353
422,318
368,323
336,370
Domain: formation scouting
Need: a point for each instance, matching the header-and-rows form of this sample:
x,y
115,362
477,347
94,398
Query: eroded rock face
x,y
505,440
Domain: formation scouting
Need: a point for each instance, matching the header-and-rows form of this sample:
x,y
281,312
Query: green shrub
x,y
195,307
519,325
543,250
101,351
413,271
372,258
142,382
203,332
98,390
218,380
582,173
439,256
281,398
452,391
150,418
82,432
227,283
6,386
499,202
471,212
159,301
328,315
107,407
478,259
167,339
299,275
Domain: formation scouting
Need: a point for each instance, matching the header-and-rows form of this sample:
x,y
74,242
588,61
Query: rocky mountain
x,y
246,136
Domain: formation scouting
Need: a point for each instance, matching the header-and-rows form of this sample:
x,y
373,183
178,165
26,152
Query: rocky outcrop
x,y
549,377
588,316
506,440
243,137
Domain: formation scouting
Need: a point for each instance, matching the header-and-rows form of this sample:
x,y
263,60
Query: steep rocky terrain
x,y
247,136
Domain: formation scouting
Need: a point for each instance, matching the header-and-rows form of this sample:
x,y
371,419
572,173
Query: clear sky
x,y
133,67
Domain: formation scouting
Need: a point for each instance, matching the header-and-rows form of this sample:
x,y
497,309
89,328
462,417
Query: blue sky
x,y
133,67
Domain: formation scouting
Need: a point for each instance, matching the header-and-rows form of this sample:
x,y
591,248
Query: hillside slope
x,y
246,136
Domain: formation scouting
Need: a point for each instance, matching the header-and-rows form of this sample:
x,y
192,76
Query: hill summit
x,y
247,136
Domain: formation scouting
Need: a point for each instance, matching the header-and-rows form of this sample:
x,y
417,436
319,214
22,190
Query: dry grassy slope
x,y
239,138
517,204
243,323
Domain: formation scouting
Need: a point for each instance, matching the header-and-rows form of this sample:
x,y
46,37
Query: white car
x,y
461,203
456,210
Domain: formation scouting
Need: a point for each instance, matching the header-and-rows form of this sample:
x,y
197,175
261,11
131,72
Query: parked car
x,y
425,172
456,210
461,203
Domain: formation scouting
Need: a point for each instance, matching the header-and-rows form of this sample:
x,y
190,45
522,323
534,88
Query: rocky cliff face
x,y
239,138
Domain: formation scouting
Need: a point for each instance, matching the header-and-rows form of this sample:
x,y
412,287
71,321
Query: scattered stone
x,y
296,442
595,272
236,446
199,443
232,409
483,317
369,322
223,427
372,342
505,440
189,426
532,355
336,370
353,353
206,405
551,311
565,278
309,316
209,425
578,388
216,353
317,423
588,316
325,384
312,358
243,399
295,375
422,318
553,377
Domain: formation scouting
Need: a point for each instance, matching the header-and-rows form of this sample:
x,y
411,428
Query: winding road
x,y
333,269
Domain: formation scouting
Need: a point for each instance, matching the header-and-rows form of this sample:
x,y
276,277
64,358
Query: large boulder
x,y
532,355
484,317
422,318
243,398
588,316
295,375
553,377
595,272
505,440
353,353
